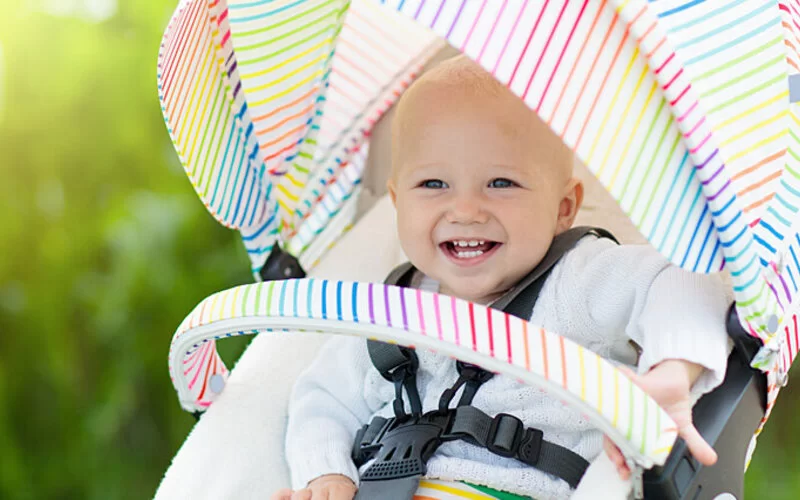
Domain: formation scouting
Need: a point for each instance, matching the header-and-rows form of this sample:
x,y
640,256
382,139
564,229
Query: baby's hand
x,y
668,383
328,487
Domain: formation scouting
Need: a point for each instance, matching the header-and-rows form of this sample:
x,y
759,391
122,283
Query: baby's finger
x,y
698,446
341,492
304,494
616,457
284,494
635,378
613,452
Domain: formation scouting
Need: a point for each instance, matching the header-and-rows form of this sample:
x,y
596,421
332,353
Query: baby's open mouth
x,y
468,249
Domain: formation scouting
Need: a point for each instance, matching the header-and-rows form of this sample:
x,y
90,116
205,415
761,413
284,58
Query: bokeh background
x,y
104,248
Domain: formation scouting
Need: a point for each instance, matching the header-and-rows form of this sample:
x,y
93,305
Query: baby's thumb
x,y
635,377
698,446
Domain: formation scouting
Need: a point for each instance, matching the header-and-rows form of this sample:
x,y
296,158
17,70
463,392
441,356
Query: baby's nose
x,y
467,210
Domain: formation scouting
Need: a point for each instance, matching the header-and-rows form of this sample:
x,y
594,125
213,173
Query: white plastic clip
x,y
782,377
773,324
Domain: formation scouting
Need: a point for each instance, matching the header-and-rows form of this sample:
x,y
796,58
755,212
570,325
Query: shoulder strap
x,y
386,357
401,275
520,300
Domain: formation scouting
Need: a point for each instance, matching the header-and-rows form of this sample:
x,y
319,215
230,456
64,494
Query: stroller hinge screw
x,y
216,383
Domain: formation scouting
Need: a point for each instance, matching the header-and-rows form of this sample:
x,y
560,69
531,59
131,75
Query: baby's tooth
x,y
473,243
469,254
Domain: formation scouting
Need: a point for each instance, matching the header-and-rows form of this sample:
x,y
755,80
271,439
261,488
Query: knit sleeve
x,y
631,292
684,318
326,408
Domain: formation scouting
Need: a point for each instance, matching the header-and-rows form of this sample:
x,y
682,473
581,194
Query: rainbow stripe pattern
x,y
495,340
435,489
683,109
269,126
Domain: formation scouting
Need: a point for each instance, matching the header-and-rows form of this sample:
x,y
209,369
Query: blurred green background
x,y
104,248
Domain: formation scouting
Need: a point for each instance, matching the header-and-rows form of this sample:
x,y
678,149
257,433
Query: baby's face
x,y
475,209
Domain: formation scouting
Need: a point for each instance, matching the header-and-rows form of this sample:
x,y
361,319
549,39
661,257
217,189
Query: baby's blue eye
x,y
433,184
502,183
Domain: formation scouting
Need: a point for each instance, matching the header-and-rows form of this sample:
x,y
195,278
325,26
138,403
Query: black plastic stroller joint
x,y
281,265
747,346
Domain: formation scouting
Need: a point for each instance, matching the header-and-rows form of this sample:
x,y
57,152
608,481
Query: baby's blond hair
x,y
460,74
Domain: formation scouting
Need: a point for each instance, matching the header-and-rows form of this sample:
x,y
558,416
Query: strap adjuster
x,y
531,446
505,435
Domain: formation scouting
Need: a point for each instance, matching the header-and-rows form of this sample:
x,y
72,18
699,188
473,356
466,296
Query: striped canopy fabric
x,y
685,110
269,125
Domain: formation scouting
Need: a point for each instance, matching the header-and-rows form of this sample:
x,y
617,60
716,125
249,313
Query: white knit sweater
x,y
600,295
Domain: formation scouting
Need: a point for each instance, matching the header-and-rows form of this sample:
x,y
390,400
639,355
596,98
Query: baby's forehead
x,y
461,89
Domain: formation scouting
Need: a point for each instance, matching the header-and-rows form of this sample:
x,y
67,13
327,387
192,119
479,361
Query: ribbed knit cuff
x,y
318,460
687,323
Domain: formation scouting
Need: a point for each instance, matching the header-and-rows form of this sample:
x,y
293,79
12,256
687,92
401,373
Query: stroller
x,y
683,111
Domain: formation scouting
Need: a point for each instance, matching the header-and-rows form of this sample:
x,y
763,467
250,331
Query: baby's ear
x,y
570,204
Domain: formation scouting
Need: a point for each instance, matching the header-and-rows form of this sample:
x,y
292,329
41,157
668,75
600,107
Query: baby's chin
x,y
484,295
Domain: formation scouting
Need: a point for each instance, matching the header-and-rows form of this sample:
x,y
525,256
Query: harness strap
x,y
402,488
472,378
519,301
401,448
505,435
398,366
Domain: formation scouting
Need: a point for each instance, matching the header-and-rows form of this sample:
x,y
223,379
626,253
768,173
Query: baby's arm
x,y
326,408
677,317
684,318
611,294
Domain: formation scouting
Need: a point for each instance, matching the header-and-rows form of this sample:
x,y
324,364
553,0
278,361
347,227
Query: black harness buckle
x,y
401,447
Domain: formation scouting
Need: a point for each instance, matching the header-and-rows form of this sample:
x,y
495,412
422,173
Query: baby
x,y
471,163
